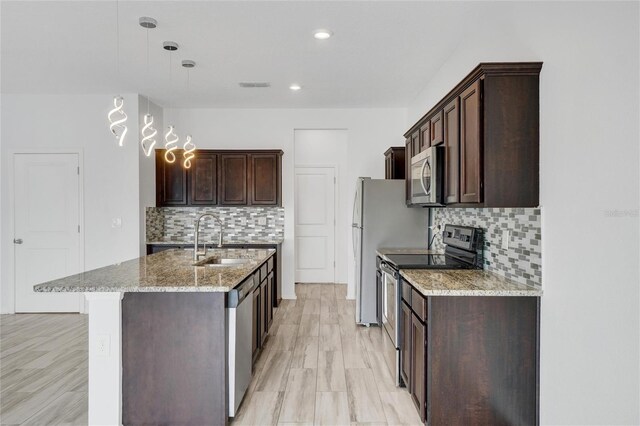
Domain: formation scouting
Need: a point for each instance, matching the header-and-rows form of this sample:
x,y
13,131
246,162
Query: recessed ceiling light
x,y
147,22
322,34
170,45
295,87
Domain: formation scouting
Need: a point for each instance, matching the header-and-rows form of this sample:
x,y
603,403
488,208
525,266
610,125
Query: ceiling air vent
x,y
253,84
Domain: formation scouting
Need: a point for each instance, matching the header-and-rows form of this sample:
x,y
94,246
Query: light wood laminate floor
x,y
43,369
318,367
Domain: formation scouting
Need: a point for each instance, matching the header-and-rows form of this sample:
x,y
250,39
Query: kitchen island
x,y
160,330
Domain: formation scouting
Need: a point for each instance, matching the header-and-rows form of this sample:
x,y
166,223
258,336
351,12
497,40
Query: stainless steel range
x,y
460,252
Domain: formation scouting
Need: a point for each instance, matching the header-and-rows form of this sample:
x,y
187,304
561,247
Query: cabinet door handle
x,y
17,241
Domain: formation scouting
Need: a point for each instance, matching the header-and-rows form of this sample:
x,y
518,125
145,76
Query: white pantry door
x,y
315,224
46,230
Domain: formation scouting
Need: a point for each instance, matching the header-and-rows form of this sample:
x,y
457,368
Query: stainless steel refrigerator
x,y
381,219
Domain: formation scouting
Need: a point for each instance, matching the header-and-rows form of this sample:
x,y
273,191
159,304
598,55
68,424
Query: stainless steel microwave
x,y
427,177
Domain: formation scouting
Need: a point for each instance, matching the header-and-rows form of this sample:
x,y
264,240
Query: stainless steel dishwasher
x,y
240,331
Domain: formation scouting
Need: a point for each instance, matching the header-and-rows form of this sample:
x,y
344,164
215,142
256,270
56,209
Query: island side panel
x,y
174,359
483,360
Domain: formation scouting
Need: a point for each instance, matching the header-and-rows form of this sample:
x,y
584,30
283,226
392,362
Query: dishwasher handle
x,y
385,268
241,292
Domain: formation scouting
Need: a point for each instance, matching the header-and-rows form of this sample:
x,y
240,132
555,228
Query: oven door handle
x,y
388,270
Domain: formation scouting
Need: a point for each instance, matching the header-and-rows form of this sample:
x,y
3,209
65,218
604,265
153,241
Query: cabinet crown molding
x,y
480,71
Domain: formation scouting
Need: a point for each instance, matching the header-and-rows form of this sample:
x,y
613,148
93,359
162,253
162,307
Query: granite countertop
x,y
468,282
167,271
173,241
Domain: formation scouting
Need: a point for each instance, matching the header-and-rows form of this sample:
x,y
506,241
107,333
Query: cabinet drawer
x,y
406,292
419,305
263,272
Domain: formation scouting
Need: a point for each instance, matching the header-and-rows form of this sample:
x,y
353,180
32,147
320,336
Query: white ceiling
x,y
381,54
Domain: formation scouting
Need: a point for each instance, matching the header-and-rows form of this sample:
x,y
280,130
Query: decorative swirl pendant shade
x,y
189,147
171,144
117,119
148,135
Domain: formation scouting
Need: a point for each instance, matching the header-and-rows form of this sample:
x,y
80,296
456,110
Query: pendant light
x,y
189,147
148,132
170,137
116,116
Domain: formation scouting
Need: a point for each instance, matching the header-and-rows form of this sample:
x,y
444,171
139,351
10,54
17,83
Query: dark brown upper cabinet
x,y
264,176
234,179
470,145
451,118
497,156
171,181
394,163
436,137
203,180
415,143
221,177
425,135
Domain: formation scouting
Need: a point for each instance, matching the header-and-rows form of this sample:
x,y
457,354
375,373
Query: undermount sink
x,y
221,261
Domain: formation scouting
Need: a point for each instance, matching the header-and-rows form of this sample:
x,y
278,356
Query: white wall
x,y
589,166
32,122
329,148
147,166
371,132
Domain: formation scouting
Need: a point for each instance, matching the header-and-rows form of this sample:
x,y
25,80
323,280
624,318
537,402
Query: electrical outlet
x,y
103,345
243,221
262,221
505,239
116,222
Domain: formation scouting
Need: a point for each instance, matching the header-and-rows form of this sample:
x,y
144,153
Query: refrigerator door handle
x,y
355,200
353,241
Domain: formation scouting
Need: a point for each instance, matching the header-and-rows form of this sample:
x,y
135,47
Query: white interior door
x,y
315,224
46,229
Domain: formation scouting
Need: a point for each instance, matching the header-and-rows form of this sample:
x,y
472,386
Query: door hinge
x,y
78,229
78,170
335,180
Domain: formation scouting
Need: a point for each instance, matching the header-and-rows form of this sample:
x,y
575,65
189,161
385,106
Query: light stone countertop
x,y
167,271
466,282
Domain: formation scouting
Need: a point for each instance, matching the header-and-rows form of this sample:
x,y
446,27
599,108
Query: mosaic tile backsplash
x,y
241,224
522,261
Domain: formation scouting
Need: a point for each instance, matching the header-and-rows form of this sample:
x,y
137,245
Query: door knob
x,y
17,241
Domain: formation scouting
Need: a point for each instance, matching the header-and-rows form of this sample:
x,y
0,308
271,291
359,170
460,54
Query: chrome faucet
x,y
197,254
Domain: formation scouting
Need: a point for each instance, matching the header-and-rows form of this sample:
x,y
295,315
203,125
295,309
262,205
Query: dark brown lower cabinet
x,y
270,292
418,379
256,335
265,305
474,360
405,359
174,359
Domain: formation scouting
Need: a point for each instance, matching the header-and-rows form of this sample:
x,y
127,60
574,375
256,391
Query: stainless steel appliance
x,y
380,219
460,253
427,177
240,332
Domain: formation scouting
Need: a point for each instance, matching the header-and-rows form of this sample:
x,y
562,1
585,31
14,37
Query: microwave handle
x,y
424,164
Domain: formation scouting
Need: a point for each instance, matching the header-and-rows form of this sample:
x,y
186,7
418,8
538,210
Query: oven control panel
x,y
463,237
